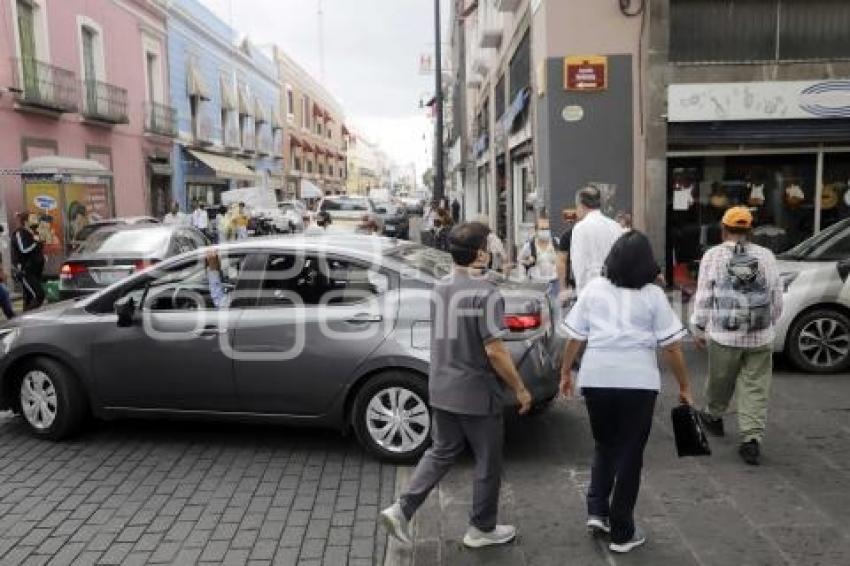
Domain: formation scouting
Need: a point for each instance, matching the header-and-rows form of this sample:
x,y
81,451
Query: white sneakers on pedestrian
x,y
476,538
597,525
396,523
637,540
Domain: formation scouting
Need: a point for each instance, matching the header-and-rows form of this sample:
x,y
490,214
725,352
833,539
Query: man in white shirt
x,y
174,217
200,219
592,238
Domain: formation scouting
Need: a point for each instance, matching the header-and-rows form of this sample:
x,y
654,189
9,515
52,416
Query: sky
x,y
372,51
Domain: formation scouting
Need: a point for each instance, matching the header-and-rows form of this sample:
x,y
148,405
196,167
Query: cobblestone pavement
x,y
794,510
141,492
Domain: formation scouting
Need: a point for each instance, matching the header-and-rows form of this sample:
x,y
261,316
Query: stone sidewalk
x,y
793,510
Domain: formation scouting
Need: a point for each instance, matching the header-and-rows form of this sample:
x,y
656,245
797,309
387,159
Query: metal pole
x,y
439,191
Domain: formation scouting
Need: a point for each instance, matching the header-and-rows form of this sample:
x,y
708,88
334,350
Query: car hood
x,y
42,316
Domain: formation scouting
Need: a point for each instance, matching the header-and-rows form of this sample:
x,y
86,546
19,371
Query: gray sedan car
x,y
325,331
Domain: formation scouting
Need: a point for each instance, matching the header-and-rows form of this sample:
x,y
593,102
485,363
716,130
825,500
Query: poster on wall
x,y
85,204
43,203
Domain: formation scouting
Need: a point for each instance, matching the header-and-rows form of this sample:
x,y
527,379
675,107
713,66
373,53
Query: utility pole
x,y
321,43
439,189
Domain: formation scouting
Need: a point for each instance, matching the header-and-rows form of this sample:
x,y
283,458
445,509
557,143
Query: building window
x,y
32,38
319,127
305,112
729,31
309,166
290,103
321,169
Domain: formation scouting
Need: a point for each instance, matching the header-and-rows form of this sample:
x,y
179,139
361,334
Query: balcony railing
x,y
45,86
160,119
105,102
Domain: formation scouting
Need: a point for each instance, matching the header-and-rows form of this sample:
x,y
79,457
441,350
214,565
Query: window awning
x,y
245,108
345,131
195,85
516,108
310,190
317,111
306,146
327,116
224,167
260,115
159,168
228,99
294,142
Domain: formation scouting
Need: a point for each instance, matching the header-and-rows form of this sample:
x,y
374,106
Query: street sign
x,y
586,72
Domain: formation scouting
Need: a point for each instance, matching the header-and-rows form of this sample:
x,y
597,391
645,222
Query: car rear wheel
x,y
391,416
819,341
52,402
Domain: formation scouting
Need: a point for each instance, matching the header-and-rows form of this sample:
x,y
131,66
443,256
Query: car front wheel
x,y
52,402
819,341
391,416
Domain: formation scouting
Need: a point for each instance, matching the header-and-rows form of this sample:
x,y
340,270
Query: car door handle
x,y
364,318
211,330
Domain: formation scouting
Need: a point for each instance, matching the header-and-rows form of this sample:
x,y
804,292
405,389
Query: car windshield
x,y
131,242
346,204
832,244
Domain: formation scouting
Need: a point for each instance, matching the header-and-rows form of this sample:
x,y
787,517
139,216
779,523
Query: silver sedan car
x,y
814,331
328,331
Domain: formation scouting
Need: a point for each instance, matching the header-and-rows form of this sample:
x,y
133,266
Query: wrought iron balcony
x,y
46,86
104,102
160,119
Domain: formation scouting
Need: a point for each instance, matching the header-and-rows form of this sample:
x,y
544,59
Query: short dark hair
x,y
737,230
466,240
589,197
631,263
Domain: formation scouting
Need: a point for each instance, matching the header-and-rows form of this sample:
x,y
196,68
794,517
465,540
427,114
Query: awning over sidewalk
x,y
224,167
310,190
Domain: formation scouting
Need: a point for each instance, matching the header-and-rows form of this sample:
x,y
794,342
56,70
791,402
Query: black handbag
x,y
690,437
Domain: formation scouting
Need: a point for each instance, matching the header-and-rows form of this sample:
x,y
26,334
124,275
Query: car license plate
x,y
109,276
389,228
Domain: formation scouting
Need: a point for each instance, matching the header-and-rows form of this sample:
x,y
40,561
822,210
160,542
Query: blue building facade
x,y
227,97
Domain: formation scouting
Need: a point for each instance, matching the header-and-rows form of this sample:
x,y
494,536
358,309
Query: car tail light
x,y
523,322
141,264
71,270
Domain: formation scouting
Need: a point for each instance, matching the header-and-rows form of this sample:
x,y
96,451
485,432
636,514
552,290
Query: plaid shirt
x,y
712,269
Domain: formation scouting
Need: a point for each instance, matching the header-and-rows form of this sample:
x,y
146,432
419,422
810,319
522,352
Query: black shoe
x,y
750,452
712,425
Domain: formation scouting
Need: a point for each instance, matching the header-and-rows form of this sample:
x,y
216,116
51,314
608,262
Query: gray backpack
x,y
742,297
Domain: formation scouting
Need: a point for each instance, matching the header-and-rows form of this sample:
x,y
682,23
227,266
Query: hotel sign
x,y
586,72
776,100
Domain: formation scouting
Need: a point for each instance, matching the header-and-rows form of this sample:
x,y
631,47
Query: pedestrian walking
x,y
200,219
499,260
174,217
565,278
28,260
539,256
455,211
240,222
592,237
736,307
468,361
622,319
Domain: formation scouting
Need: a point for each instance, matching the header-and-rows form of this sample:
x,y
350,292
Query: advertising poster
x,y
43,203
85,204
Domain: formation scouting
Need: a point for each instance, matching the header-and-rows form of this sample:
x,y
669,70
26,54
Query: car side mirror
x,y
126,310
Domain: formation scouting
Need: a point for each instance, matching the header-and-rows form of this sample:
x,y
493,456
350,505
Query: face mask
x,y
544,234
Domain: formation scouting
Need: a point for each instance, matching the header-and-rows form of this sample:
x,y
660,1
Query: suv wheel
x,y
52,402
819,341
391,417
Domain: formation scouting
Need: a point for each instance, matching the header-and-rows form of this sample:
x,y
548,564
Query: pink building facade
x,y
87,79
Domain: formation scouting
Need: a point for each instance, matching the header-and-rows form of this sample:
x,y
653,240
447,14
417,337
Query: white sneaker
x,y
596,524
476,538
637,540
396,523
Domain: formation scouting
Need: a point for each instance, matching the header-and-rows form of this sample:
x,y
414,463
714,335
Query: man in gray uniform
x,y
469,363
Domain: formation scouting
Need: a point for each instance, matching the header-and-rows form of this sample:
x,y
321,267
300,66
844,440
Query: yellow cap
x,y
738,217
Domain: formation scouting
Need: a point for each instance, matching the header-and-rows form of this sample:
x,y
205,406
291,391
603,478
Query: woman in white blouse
x,y
622,319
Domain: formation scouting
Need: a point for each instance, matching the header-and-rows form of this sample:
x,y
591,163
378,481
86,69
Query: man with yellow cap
x,y
737,305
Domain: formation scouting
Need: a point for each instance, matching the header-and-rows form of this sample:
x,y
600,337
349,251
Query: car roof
x,y
362,245
140,227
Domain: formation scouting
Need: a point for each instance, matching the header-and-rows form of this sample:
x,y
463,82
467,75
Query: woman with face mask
x,y
539,256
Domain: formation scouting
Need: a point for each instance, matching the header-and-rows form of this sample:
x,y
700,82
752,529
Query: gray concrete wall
x,y
597,148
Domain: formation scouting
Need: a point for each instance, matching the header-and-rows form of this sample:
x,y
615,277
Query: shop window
x,y
835,198
779,189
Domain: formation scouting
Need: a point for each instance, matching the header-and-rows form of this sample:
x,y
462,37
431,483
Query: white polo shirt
x,y
592,240
623,329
